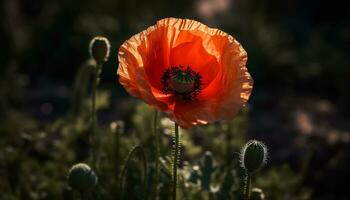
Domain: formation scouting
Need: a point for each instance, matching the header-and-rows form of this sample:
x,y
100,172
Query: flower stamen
x,y
183,83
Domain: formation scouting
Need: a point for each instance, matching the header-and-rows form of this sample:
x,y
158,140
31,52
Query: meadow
x,y
74,125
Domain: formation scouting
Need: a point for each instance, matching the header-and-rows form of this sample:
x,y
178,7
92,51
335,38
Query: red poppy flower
x,y
194,73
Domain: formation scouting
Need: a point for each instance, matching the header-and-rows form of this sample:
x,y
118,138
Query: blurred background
x,y
298,53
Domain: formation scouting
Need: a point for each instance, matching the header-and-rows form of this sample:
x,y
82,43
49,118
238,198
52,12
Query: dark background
x,y
298,53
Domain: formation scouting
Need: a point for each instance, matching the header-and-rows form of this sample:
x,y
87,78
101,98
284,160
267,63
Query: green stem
x,y
185,191
82,195
125,169
210,195
94,142
156,135
176,159
247,187
116,154
228,139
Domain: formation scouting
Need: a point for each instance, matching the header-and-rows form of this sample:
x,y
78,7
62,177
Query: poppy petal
x,y
132,75
192,54
226,94
215,55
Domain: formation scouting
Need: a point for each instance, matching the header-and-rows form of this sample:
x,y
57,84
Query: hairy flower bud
x,y
253,155
99,49
257,194
82,177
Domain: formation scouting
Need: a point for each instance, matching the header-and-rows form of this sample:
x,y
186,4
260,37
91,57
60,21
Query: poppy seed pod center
x,y
182,82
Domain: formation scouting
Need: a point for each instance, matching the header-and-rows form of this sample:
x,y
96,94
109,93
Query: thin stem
x,y
185,191
247,187
125,170
176,159
156,135
94,138
210,195
116,155
82,195
228,139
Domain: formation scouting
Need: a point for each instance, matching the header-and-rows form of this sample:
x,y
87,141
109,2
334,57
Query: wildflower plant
x,y
195,74
253,157
99,49
190,75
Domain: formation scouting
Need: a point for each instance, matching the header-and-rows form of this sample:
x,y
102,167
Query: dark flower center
x,y
182,82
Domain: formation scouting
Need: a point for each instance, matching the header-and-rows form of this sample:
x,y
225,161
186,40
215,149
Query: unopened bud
x,y
82,177
253,156
99,49
257,194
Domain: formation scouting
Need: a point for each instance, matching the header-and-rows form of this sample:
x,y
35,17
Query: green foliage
x,y
36,158
281,182
295,49
36,162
